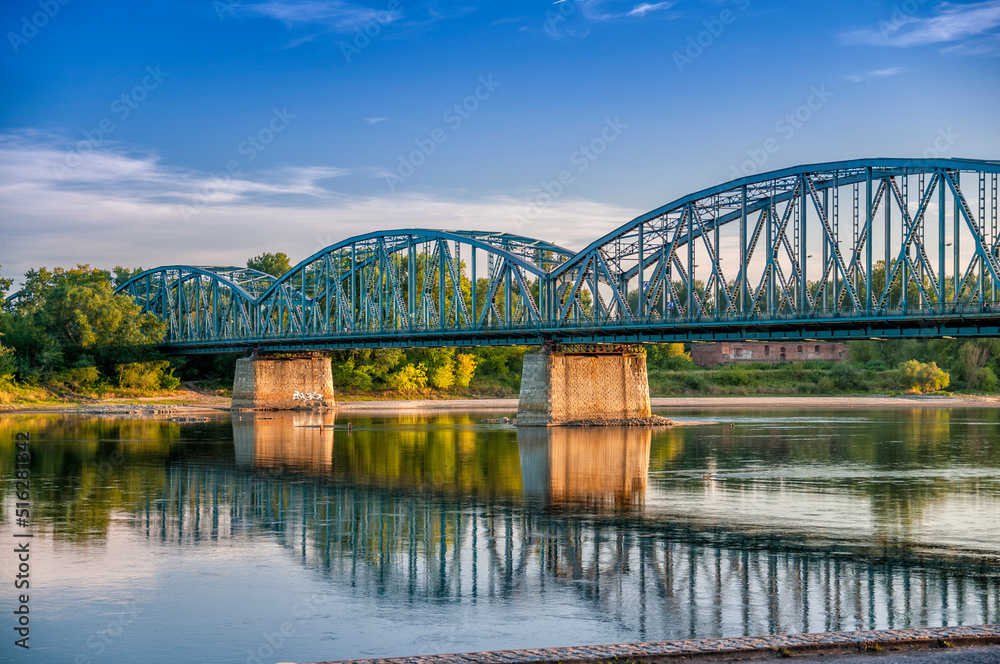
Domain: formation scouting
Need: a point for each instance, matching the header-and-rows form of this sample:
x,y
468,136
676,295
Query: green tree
x,y
122,274
5,285
71,324
273,264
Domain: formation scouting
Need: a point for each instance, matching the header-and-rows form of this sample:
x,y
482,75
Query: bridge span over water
x,y
852,249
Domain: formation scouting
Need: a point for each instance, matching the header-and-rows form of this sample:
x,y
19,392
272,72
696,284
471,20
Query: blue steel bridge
x,y
871,248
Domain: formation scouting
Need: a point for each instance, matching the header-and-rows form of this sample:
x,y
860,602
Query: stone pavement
x,y
875,644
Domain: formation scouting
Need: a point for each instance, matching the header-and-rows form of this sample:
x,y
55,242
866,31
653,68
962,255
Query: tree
x,y
5,285
920,377
72,320
273,264
465,369
123,274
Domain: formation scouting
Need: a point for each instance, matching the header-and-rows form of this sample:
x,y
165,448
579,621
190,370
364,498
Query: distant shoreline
x,y
185,405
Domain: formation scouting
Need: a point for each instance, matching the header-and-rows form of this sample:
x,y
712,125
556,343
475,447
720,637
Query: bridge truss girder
x,y
801,243
199,304
854,249
410,281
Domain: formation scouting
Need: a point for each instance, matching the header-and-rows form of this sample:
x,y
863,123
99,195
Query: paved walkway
x,y
941,645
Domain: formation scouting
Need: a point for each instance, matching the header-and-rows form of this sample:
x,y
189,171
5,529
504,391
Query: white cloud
x,y
647,7
121,208
866,76
335,14
947,23
372,121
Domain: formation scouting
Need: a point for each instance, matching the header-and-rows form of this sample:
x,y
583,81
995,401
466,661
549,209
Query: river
x,y
268,537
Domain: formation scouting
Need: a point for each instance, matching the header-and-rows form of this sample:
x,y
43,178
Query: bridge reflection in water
x,y
571,465
570,523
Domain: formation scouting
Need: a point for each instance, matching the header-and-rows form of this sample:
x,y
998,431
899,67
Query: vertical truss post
x,y
354,297
474,317
904,250
983,232
411,279
690,249
942,267
868,240
442,311
507,294
770,255
993,226
956,244
826,247
744,307
720,287
803,256
642,276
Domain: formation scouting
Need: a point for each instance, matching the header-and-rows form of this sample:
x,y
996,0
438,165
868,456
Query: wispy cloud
x,y
336,15
974,26
648,7
372,121
120,207
863,77
607,10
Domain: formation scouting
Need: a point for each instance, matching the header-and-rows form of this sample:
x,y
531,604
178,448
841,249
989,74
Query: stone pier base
x,y
283,383
558,388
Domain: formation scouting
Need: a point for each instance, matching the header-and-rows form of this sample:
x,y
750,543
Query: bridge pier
x,y
303,382
560,387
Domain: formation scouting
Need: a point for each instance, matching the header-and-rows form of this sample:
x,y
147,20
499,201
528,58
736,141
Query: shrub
x,y
147,376
465,369
8,363
987,380
696,382
847,377
409,379
732,375
922,377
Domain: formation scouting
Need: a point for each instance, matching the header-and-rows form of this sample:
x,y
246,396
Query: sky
x,y
204,132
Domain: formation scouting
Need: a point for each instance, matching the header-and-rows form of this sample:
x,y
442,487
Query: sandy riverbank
x,y
191,402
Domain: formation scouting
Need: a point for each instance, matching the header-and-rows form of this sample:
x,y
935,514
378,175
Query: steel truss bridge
x,y
872,248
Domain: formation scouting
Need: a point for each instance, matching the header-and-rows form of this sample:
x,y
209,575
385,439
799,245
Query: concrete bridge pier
x,y
595,383
301,382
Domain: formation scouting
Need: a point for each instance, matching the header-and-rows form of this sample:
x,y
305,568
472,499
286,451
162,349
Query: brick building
x,y
739,352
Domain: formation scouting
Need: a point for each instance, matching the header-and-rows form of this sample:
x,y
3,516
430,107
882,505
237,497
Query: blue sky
x,y
204,132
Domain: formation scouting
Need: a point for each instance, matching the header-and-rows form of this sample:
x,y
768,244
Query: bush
x,y
732,375
8,363
847,377
987,380
921,377
81,378
696,382
409,379
825,385
147,376
668,356
465,369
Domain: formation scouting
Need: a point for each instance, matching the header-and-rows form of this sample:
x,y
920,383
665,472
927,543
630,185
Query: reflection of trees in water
x,y
883,462
83,469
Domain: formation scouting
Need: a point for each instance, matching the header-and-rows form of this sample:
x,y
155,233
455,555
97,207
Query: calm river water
x,y
264,538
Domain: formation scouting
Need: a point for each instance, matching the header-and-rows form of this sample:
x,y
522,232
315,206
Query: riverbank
x,y
919,644
189,402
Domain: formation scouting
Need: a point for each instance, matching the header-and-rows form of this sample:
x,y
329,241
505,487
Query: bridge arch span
x,y
837,238
412,280
200,304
